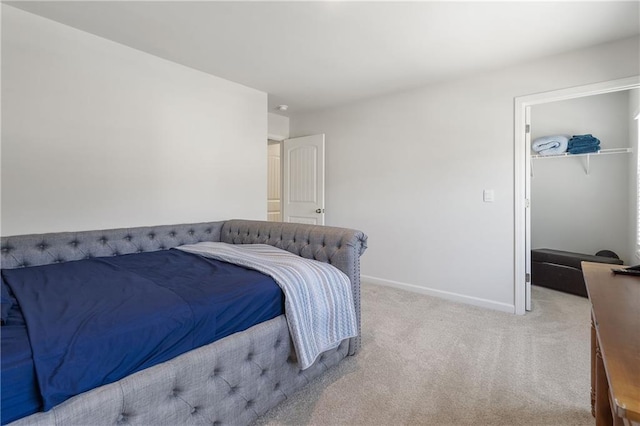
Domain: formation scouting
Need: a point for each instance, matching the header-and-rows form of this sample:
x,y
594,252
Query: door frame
x,y
522,169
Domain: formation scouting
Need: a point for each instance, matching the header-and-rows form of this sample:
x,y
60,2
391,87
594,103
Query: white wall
x,y
99,135
409,169
278,127
570,209
634,169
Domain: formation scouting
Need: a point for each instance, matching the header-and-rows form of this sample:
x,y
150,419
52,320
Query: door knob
x,y
319,210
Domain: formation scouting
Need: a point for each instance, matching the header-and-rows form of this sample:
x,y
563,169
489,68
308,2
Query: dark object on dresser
x,y
561,270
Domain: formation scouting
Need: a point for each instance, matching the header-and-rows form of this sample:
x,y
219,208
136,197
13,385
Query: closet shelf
x,y
588,156
601,152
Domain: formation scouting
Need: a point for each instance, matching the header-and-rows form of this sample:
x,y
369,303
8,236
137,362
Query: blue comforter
x,y
95,321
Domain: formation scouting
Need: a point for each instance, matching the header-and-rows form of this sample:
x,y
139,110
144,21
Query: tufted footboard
x,y
231,381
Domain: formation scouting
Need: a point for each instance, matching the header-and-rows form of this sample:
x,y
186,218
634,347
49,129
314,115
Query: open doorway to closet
x,y
576,203
580,203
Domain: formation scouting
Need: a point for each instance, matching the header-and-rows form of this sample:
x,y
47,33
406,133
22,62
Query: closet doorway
x,y
523,173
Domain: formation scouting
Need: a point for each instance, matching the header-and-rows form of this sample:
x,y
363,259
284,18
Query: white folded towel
x,y
550,145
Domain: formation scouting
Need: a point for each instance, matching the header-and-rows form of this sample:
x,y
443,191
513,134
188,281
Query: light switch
x,y
487,195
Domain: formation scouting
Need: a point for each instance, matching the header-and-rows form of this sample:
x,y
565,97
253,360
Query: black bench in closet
x,y
561,270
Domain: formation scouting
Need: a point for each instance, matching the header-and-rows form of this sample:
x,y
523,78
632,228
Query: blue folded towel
x,y
584,149
550,145
583,140
583,144
587,137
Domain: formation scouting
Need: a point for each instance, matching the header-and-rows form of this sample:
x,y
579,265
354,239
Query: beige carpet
x,y
428,361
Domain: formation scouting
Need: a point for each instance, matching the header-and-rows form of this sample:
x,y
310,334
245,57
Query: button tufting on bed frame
x,y
67,246
197,397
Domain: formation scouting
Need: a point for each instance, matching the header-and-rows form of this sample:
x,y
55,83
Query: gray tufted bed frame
x,y
231,381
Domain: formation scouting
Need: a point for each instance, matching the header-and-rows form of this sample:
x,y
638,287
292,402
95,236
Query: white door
x,y
527,211
303,180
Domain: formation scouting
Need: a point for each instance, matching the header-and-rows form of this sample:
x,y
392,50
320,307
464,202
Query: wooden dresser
x,y
615,345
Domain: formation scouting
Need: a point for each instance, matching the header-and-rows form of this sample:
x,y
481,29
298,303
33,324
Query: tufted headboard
x,y
43,249
339,247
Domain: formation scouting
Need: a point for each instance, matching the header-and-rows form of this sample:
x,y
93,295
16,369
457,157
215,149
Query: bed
x,y
230,381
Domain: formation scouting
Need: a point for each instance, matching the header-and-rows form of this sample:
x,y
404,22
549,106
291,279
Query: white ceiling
x,y
313,55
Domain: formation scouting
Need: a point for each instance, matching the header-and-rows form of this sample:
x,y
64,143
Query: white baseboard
x,y
470,300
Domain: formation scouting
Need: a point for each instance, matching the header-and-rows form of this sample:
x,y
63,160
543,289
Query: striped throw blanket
x,y
318,300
